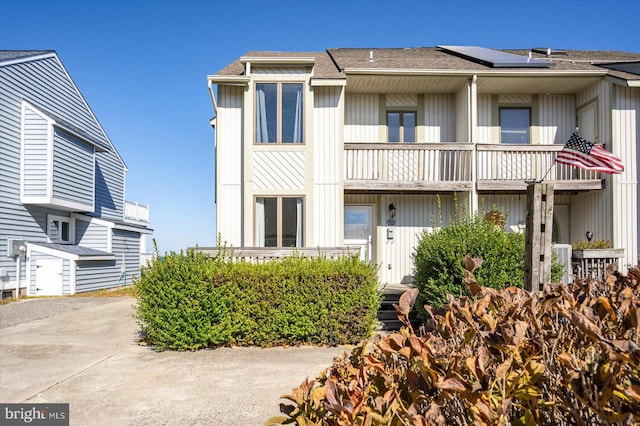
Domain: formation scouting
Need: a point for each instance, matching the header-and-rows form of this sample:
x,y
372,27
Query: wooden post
x,y
537,253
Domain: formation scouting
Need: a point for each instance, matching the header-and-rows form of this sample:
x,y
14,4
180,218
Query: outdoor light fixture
x,y
589,236
392,211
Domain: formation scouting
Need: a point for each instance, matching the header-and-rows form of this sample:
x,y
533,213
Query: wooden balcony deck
x,y
441,167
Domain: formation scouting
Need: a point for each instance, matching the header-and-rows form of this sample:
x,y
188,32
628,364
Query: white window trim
x,y
62,219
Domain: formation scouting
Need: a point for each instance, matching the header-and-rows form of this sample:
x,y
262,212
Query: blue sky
x,y
142,66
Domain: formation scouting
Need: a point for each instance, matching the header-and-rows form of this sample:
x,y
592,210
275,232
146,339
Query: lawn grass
x,y
121,291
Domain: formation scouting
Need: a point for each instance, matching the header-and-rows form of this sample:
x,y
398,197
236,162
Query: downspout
x,y
215,145
213,98
473,133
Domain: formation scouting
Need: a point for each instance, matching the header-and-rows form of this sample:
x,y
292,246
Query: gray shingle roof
x,y
324,66
81,251
10,55
333,62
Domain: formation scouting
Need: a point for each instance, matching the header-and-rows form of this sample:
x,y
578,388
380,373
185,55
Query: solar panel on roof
x,y
495,58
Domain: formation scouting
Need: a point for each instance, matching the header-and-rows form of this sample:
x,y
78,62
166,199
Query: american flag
x,y
579,152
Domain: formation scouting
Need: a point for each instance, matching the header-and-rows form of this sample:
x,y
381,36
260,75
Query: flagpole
x,y
545,175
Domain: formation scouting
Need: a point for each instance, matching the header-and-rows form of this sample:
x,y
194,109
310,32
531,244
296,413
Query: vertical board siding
x,y
514,206
73,169
92,235
35,157
484,124
462,115
439,118
557,118
361,118
415,214
229,165
279,170
328,209
625,144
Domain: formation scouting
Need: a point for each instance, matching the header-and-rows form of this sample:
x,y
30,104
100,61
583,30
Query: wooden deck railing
x,y
450,166
265,254
390,166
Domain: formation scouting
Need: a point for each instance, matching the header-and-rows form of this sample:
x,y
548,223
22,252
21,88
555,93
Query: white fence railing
x,y
136,213
454,163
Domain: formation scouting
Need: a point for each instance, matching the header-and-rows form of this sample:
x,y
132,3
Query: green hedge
x,y
439,259
188,301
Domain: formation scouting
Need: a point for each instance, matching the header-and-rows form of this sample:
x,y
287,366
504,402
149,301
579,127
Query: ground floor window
x,y
59,229
279,222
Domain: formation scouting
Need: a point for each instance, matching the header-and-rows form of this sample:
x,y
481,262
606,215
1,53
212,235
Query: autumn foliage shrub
x,y
567,356
189,301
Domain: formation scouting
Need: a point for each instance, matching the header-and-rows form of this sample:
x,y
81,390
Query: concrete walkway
x,y
90,358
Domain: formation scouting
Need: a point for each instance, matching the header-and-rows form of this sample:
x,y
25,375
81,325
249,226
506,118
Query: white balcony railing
x,y
415,166
136,213
450,166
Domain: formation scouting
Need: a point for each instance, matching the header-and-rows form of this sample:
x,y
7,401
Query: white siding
x,y
229,165
361,118
414,214
625,138
557,118
462,115
279,170
439,118
328,209
484,123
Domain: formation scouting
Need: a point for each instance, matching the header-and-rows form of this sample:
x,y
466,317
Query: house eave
x,y
229,80
622,82
279,60
328,82
479,73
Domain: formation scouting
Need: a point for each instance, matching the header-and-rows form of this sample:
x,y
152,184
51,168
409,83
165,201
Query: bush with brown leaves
x,y
569,355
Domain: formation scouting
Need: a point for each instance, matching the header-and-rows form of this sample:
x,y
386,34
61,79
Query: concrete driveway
x,y
85,352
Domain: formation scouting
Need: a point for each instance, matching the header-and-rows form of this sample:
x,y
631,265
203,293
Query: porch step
x,y
387,315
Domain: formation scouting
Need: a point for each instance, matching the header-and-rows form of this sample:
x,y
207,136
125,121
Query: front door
x,y
358,229
48,277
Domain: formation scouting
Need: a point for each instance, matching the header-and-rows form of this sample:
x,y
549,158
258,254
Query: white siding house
x,y
63,227
316,149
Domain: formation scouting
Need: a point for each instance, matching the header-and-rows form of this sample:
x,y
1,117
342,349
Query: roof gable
x,y
32,72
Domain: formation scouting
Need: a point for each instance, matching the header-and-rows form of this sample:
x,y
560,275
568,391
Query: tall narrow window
x,y
515,124
279,113
401,126
279,222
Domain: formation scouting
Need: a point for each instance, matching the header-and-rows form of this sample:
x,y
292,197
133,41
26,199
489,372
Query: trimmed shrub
x,y
439,258
190,301
567,356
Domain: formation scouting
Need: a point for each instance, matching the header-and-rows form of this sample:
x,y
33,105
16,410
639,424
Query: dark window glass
x,y
266,113
292,113
270,222
409,126
290,223
514,125
393,126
